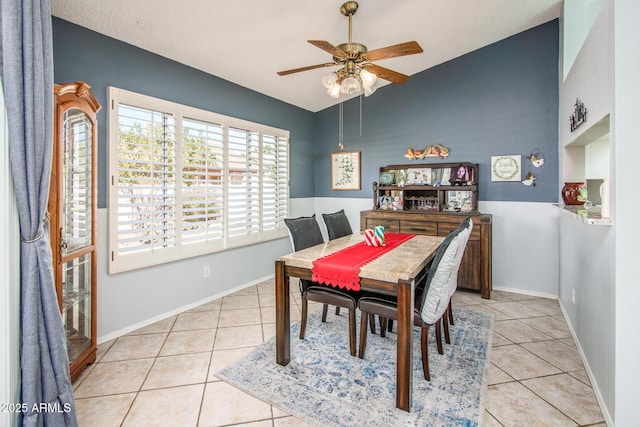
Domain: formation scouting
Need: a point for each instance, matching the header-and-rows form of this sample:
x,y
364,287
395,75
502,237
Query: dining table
x,y
395,272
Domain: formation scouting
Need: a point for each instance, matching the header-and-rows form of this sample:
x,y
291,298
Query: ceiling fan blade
x,y
310,67
385,73
402,49
328,47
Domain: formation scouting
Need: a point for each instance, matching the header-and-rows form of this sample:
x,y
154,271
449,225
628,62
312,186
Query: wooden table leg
x,y
283,316
404,386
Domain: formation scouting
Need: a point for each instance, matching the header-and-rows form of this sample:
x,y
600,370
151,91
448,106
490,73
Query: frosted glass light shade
x,y
350,85
334,91
368,79
329,80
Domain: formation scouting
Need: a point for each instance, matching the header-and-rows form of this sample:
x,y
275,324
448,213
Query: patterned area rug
x,y
324,385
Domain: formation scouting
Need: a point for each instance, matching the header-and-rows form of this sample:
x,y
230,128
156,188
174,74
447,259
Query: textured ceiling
x,y
247,42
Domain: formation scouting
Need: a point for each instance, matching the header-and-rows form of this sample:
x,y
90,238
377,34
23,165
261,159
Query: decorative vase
x,y
574,193
605,211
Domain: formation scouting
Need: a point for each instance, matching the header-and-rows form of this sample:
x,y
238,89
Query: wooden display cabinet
x,y
72,206
434,199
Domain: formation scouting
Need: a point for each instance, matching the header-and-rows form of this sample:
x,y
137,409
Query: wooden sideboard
x,y
475,270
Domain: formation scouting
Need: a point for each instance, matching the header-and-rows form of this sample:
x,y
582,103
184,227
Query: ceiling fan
x,y
357,68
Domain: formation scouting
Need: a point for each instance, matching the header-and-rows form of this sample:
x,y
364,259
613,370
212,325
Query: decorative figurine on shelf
x,y
385,202
466,205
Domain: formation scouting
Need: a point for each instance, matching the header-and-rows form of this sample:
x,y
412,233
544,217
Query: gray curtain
x,y
26,69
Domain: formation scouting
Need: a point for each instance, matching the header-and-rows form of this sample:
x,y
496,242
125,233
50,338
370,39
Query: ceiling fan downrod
x,y
349,9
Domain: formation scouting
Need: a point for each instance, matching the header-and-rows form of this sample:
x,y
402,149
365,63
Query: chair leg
x,y
352,331
439,337
390,328
372,323
364,319
325,307
425,352
337,311
383,327
445,324
450,312
303,320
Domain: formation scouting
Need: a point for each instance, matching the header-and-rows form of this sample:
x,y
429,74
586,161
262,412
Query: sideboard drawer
x,y
419,227
445,228
390,225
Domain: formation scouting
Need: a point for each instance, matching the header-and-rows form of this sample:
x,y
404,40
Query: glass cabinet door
x,y
76,245
76,310
72,208
76,181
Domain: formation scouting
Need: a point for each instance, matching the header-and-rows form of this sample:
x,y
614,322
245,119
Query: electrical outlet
x,y
206,272
573,296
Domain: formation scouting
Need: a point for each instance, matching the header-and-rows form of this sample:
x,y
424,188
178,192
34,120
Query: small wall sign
x,y
506,168
579,115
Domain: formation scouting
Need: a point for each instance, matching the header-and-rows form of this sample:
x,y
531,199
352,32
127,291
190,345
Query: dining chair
x,y
430,303
465,227
305,232
337,224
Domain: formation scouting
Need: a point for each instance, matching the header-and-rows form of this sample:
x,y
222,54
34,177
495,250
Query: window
x,y
185,182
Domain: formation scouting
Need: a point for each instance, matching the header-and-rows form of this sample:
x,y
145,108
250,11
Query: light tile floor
x,y
163,374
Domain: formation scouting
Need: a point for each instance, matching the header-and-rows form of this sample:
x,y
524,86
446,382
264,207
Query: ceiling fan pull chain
x,y
360,115
340,127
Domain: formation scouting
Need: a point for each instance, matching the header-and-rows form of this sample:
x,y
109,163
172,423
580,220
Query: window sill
x,y
588,216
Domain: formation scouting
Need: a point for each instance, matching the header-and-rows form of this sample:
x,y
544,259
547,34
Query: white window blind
x,y
185,182
203,181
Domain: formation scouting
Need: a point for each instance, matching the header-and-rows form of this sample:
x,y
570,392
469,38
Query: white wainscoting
x,y
525,250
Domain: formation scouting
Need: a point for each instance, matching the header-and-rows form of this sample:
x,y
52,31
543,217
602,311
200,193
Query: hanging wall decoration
x,y
506,168
529,180
437,150
579,115
536,157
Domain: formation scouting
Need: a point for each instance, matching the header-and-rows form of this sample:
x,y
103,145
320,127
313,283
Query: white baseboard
x,y
147,322
524,292
594,385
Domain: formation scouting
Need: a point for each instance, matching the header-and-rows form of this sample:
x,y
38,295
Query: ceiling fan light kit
x,y
357,74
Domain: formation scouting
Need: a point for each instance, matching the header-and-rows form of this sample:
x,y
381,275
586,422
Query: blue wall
x,y
82,54
501,99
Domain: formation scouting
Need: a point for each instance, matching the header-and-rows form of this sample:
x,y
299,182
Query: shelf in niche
x,y
588,216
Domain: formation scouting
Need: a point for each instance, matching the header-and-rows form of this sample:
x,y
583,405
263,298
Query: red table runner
x,y
341,269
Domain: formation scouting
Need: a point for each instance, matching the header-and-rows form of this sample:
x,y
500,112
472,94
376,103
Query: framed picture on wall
x,y
345,170
506,168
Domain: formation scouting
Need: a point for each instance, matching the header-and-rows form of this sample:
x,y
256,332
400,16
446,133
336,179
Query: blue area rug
x,y
324,385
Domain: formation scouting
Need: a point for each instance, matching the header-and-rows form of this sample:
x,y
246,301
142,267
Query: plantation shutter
x,y
275,176
146,180
185,182
202,181
243,198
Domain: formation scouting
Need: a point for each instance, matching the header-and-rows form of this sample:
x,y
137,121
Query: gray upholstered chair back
x,y
304,232
465,231
337,224
435,297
